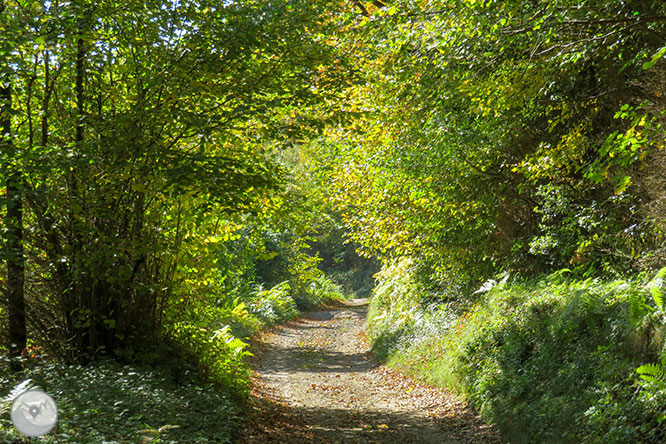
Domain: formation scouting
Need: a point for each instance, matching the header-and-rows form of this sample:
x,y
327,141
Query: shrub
x,y
218,356
274,305
316,292
207,343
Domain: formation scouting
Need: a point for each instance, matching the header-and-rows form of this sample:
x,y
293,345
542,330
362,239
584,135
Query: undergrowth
x,y
211,343
190,387
552,360
110,403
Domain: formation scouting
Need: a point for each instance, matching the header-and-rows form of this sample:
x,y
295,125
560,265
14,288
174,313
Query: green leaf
x,y
622,184
655,58
651,373
655,287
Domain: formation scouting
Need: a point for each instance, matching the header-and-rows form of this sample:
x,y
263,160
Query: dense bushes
x,y
274,304
550,361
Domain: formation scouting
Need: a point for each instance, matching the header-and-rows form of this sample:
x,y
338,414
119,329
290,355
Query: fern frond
x,y
240,310
655,286
637,307
657,295
559,273
6,402
651,373
591,301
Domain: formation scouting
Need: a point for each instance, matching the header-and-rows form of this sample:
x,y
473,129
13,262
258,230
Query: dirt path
x,y
317,382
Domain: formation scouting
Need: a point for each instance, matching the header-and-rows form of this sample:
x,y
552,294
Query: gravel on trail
x,y
316,381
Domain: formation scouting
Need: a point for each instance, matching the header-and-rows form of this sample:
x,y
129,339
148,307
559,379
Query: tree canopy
x,y
509,135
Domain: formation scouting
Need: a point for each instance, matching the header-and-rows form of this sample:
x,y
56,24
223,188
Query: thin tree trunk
x,y
17,333
80,71
47,98
84,288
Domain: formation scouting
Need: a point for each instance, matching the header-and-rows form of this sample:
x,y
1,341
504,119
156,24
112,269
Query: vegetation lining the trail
x,y
153,216
192,391
514,138
549,360
110,403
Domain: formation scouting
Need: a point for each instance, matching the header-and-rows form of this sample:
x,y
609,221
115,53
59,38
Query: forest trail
x,y
316,381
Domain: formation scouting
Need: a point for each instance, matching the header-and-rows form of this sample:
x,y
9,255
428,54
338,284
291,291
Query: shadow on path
x,y
316,381
271,421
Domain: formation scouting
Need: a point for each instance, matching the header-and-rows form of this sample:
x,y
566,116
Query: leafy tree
x,y
138,126
470,108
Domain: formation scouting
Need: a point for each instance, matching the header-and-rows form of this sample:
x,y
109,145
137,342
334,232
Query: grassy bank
x,y
190,388
552,360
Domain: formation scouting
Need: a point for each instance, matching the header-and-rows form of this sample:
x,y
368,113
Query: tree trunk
x,y
14,225
15,264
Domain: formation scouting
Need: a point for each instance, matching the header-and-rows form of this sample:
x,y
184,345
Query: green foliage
x,y
640,308
145,133
549,361
569,230
395,305
656,289
318,291
503,135
653,376
206,341
274,305
192,389
191,171
107,402
219,355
